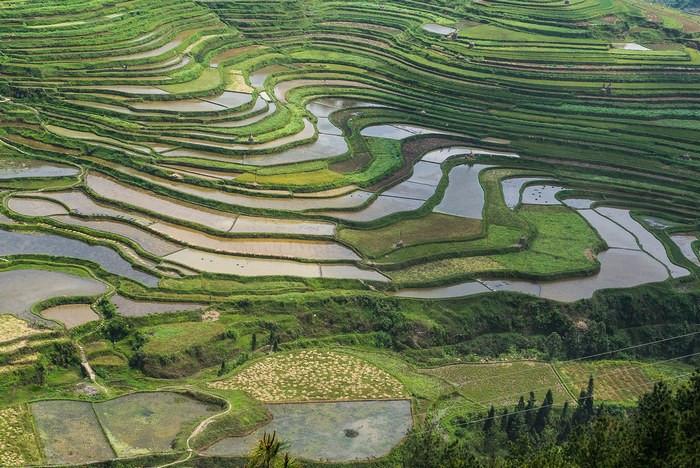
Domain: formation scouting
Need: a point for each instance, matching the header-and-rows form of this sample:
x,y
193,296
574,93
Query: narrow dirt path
x,y
198,430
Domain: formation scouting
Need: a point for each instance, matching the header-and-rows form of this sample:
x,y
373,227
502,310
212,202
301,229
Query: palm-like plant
x,y
267,453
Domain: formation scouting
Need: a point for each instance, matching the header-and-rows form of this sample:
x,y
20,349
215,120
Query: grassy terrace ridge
x,y
425,207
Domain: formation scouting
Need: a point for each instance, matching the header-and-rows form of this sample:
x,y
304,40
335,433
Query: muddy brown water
x,y
71,315
20,289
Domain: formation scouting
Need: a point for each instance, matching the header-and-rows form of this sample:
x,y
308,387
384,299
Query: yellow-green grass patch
x,y
502,383
210,78
433,227
619,381
313,375
236,82
295,179
12,328
174,337
18,445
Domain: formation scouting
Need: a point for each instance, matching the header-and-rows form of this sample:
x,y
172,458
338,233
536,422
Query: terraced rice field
x,y
142,423
500,384
70,433
620,381
318,431
313,375
234,132
209,175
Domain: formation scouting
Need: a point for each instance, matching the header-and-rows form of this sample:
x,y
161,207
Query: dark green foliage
x,y
106,308
64,354
116,329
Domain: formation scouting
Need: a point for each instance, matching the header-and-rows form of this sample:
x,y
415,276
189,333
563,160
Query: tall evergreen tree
x,y
504,419
490,421
564,428
656,425
515,421
530,411
542,418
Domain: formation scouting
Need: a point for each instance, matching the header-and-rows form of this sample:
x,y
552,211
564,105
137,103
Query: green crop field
x,y
263,216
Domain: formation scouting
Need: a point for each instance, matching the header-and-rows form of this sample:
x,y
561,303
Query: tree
x,y
40,370
64,354
267,453
426,448
253,342
422,447
585,409
490,421
656,425
530,411
222,368
504,419
116,329
542,417
554,345
515,421
107,309
564,428
273,340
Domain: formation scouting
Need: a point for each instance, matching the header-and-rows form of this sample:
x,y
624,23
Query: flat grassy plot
x,y
619,381
174,337
70,433
150,422
313,375
434,227
501,384
564,242
18,446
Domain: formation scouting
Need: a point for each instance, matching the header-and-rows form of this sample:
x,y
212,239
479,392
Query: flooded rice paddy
x,y
131,308
36,243
140,423
71,315
512,187
619,268
78,432
541,195
306,249
16,168
438,29
35,207
685,244
20,289
330,432
464,195
70,433
249,266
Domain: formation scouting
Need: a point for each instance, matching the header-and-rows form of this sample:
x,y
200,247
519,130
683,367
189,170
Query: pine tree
x,y
254,342
504,419
542,418
530,411
564,428
490,421
656,426
222,368
515,421
588,404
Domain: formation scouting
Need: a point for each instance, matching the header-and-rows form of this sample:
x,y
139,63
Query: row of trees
x,y
660,431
